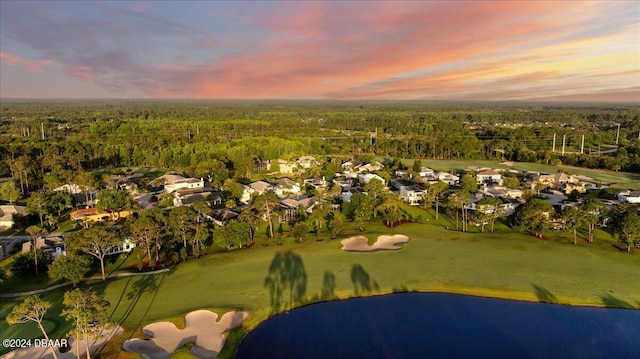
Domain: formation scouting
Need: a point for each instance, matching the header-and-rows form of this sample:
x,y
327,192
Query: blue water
x,y
431,325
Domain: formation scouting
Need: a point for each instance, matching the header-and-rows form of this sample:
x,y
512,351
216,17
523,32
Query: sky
x,y
337,50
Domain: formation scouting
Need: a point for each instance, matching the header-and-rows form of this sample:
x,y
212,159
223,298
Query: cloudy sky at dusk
x,y
431,50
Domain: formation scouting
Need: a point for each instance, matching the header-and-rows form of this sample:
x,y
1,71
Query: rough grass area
x,y
504,264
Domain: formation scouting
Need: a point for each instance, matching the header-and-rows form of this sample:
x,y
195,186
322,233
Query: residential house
x,y
427,173
346,195
558,181
508,208
286,167
306,161
409,191
501,192
629,196
93,215
128,244
489,177
247,193
261,187
365,178
187,197
83,196
287,185
412,194
351,165
370,167
176,182
289,206
447,178
6,215
343,182
54,245
317,183
221,217
262,166
402,173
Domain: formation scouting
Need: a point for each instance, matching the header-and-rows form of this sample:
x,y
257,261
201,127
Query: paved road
x,y
145,200
117,275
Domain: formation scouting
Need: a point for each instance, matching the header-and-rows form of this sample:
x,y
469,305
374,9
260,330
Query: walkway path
x,y
116,275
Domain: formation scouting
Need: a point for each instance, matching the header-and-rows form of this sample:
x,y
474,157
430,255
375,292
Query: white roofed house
x,y
447,178
489,177
629,196
176,182
365,178
427,173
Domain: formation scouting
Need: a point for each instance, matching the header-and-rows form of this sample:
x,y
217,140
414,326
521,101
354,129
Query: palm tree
x,y
572,218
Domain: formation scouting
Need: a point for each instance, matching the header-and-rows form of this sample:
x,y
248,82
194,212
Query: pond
x,y
433,325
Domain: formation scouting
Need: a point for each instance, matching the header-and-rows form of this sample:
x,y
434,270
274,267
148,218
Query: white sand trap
x,y
384,242
45,353
201,328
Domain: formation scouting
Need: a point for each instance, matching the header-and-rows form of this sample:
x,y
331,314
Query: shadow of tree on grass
x,y
286,281
328,286
610,301
362,282
544,296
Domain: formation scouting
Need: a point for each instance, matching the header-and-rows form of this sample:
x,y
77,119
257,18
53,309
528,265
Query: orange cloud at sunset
x,y
476,50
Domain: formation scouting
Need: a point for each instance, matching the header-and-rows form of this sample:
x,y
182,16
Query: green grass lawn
x,y
504,264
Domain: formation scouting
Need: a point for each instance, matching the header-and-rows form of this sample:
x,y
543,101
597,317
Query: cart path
x,y
116,275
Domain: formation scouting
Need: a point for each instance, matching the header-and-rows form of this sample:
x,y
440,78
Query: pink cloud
x,y
28,64
9,59
474,50
321,50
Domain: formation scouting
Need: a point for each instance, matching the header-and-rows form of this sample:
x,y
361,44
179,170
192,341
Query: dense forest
x,y
43,141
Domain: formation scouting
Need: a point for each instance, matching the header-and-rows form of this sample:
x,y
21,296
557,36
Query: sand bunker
x,y
45,353
201,328
384,242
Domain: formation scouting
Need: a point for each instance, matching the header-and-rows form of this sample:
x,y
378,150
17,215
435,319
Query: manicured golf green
x,y
505,264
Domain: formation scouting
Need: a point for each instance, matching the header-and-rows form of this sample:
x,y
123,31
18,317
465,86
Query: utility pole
x,y
564,138
554,143
197,129
582,146
42,128
618,134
